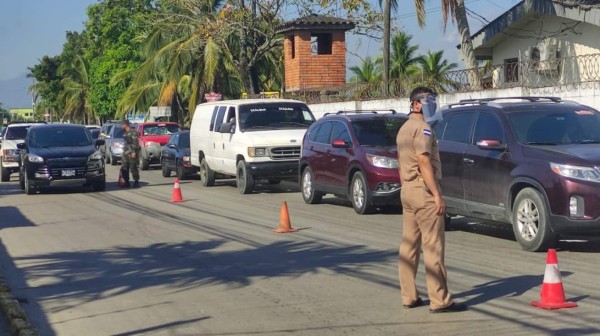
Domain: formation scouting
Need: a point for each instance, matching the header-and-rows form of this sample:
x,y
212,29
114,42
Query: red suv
x,y
352,155
152,136
533,162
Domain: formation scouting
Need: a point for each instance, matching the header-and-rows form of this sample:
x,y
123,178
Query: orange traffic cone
x,y
121,181
177,192
284,220
553,293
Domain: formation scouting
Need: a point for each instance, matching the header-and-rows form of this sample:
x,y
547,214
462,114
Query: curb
x,y
13,313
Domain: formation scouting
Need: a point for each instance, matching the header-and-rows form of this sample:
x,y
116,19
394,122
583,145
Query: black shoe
x,y
415,304
126,185
453,308
136,184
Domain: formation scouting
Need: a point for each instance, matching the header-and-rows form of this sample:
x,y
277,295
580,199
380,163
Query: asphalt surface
x,y
129,262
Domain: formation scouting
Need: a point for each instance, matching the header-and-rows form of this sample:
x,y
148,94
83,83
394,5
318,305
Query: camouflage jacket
x,y
131,142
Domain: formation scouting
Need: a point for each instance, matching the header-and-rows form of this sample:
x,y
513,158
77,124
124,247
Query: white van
x,y
251,139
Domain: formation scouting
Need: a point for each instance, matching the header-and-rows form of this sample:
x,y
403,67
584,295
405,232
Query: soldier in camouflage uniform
x,y
131,152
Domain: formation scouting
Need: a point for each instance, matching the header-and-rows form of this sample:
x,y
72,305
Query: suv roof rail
x,y
344,112
484,101
26,122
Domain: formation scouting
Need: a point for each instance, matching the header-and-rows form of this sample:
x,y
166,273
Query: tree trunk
x,y
387,27
466,45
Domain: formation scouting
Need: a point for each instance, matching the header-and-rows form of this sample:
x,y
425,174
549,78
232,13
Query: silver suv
x,y
9,155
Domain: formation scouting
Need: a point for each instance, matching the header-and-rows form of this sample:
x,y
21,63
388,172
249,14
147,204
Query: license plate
x,y
68,172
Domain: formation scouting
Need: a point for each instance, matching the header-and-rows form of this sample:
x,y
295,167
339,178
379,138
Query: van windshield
x,y
17,132
264,116
557,127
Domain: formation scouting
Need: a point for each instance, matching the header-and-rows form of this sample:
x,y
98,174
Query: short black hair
x,y
125,122
419,90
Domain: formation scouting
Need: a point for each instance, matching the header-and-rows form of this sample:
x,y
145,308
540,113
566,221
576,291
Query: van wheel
x,y
359,194
166,172
5,173
309,194
207,176
531,222
144,163
245,181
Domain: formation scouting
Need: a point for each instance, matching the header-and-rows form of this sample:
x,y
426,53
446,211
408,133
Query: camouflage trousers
x,y
130,164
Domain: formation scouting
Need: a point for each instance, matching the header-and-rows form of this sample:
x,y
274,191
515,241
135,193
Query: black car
x,y
175,156
60,152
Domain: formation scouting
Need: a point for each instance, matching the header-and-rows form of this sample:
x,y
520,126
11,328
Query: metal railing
x,y
559,72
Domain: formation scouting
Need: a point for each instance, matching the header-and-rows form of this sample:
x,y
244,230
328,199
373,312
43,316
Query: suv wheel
x,y
207,176
309,194
447,222
99,186
531,223
29,189
245,181
359,194
179,170
144,163
166,172
4,172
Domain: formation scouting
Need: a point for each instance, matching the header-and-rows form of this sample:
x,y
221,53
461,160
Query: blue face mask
x,y
429,109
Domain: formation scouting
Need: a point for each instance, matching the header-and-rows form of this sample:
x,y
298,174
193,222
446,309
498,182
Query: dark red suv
x,y
352,155
533,162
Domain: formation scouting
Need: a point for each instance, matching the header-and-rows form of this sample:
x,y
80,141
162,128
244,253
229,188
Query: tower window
x,y
321,44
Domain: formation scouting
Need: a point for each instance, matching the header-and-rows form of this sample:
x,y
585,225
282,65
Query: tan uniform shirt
x,y
415,138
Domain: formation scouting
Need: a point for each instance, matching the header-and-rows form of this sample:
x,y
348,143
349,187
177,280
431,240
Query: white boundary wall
x,y
589,94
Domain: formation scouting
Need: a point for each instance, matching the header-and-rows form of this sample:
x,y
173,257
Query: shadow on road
x,y
160,327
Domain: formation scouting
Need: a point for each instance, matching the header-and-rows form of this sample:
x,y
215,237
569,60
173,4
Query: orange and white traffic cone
x,y
121,181
177,197
553,293
284,220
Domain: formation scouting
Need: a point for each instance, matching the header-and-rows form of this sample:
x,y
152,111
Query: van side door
x,y
214,150
228,148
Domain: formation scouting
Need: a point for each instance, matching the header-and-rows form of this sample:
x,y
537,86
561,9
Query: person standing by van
x,y
131,152
423,222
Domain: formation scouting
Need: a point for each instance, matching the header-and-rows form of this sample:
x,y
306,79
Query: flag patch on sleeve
x,y
427,132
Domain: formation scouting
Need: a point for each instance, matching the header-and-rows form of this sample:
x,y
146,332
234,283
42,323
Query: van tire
x,y
245,181
5,173
207,176
530,215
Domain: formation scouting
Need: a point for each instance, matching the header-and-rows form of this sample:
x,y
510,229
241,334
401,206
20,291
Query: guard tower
x,y
314,51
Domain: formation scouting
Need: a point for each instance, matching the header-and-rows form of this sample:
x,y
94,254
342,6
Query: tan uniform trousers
x,y
422,228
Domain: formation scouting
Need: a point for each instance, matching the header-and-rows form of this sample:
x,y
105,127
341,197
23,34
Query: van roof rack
x,y
344,112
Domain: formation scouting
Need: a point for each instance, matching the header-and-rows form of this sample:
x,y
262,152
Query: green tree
x,y
76,92
48,83
368,72
457,11
404,60
434,69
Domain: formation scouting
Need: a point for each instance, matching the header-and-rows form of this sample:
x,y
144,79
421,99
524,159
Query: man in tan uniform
x,y
423,223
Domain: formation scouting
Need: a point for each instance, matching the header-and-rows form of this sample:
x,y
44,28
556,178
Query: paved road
x,y
128,262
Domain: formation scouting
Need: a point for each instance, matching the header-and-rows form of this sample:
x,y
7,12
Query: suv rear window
x,y
49,137
557,127
274,116
377,132
160,129
16,132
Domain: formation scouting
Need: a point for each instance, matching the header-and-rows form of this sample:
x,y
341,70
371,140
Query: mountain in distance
x,y
14,92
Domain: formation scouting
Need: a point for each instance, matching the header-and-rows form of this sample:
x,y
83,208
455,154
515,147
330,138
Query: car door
x,y
319,148
487,169
454,134
337,159
170,151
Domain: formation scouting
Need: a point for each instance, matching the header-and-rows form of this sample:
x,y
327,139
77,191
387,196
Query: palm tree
x,y
434,69
457,10
368,72
76,91
388,6
403,61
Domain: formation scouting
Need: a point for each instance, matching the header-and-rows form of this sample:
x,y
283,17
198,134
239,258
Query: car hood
x,y
569,154
287,137
62,152
390,151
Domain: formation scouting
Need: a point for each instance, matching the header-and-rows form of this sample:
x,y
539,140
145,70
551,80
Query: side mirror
x,y
174,146
490,144
227,128
339,143
21,145
100,142
107,136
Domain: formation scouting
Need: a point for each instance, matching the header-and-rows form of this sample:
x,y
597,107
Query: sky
x,y
30,29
